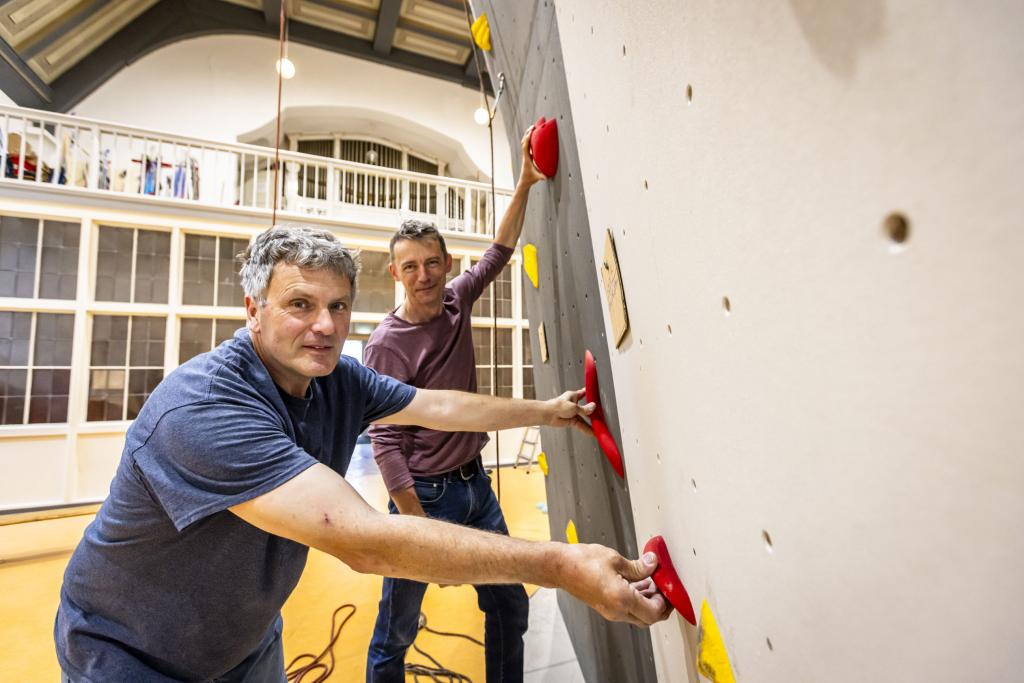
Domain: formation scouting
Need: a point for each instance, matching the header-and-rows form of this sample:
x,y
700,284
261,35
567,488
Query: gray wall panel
x,y
581,484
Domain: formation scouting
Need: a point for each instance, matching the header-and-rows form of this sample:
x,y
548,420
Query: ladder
x,y
531,438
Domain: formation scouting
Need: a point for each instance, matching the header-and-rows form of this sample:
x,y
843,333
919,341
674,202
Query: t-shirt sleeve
x,y
385,395
470,285
387,440
206,457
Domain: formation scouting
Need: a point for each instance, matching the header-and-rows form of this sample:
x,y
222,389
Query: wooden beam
x,y
387,22
20,82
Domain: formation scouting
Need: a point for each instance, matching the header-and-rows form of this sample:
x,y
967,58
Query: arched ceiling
x,y
55,52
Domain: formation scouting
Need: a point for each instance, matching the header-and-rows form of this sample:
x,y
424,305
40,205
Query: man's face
x,y
421,268
300,329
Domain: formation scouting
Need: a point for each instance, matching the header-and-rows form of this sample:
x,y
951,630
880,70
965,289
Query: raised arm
x,y
460,411
320,509
512,222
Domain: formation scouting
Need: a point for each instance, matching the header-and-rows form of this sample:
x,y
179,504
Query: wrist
x,y
554,566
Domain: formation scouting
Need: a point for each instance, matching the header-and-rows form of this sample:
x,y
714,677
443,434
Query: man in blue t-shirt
x,y
234,468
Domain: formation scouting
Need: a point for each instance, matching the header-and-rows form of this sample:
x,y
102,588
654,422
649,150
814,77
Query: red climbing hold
x,y
668,582
544,146
597,418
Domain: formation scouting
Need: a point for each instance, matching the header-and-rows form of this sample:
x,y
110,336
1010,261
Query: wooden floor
x,y
29,595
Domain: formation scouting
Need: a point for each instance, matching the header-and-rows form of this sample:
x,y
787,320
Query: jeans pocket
x,y
429,492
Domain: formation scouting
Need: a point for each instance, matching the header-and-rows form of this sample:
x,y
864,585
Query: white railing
x,y
39,148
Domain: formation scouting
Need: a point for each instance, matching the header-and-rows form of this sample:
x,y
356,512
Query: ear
x,y
252,318
393,270
448,263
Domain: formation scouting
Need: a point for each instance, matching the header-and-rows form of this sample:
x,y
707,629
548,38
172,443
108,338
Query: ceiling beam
x,y
19,82
170,21
387,22
60,28
272,12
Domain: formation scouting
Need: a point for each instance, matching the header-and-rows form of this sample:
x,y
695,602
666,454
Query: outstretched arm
x,y
512,222
461,411
320,509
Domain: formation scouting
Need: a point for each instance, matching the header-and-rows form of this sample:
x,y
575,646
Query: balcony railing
x,y
41,148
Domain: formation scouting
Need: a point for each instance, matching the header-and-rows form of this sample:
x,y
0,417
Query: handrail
x,y
40,148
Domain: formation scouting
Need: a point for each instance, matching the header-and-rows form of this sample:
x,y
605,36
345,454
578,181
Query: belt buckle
x,y
465,468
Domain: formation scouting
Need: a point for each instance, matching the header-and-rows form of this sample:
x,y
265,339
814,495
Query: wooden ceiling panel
x,y
334,19
23,20
436,17
86,37
429,46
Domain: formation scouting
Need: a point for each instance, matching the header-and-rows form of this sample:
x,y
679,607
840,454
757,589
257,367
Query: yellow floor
x,y
29,591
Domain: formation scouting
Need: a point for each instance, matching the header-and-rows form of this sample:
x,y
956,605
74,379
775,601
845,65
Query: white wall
x,y
861,401
4,99
219,87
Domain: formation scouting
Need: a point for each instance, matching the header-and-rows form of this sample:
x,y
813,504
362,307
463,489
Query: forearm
x,y
407,502
512,222
433,551
461,411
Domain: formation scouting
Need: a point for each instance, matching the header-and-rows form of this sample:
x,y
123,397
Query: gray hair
x,y
413,229
303,247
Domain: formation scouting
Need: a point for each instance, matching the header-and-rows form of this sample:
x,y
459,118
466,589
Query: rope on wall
x,y
277,135
477,58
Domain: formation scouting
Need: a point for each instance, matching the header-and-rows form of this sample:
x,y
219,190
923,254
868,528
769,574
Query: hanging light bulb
x,y
371,156
481,116
286,68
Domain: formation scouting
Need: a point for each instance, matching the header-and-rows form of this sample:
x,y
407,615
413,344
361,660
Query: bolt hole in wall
x,y
767,541
897,228
693,483
726,305
689,94
771,648
669,330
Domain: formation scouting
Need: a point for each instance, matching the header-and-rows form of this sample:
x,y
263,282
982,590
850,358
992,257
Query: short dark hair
x,y
303,247
413,229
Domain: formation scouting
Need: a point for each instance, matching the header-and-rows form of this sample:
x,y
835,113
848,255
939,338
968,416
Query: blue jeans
x,y
468,501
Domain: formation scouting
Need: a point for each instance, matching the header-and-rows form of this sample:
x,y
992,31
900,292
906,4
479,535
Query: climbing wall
x,y
816,212
582,487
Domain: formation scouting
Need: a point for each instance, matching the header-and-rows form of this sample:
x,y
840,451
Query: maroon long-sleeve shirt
x,y
437,354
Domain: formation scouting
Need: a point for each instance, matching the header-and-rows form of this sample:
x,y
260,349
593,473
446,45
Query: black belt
x,y
463,472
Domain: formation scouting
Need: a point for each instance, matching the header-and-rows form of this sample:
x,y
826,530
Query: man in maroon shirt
x,y
428,342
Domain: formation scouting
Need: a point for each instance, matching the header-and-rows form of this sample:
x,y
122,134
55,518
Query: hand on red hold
x,y
619,589
529,174
566,411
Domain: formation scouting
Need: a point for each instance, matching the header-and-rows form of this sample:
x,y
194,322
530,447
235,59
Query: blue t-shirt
x,y
167,583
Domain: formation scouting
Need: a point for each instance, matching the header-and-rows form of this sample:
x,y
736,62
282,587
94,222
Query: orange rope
x,y
277,135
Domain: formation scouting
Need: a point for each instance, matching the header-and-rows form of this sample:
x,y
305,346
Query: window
x,y
132,265
484,350
528,389
503,291
54,275
126,364
35,353
210,271
199,335
376,286
503,284
503,337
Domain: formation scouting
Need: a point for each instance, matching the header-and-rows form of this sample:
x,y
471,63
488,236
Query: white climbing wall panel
x,y
794,375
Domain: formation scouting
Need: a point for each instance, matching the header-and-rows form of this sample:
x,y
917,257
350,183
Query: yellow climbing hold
x,y
712,659
482,33
570,533
542,460
530,264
